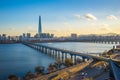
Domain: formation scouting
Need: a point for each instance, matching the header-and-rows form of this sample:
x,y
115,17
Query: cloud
x,y
90,17
105,27
112,17
77,16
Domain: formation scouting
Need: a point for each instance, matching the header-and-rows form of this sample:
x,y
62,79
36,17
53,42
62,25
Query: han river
x,y
18,59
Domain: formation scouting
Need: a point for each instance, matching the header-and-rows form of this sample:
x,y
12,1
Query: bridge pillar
x,y
37,47
75,60
59,55
34,46
45,50
112,42
50,52
83,59
71,57
65,56
62,57
41,48
55,54
116,42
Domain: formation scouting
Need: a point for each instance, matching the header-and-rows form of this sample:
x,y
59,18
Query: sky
x,y
60,17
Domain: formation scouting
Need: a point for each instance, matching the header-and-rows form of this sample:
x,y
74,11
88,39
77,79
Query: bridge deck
x,y
76,53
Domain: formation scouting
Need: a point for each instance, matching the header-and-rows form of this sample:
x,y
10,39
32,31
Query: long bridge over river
x,y
63,54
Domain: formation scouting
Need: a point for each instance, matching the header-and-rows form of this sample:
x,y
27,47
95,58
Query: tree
x,y
105,54
58,63
39,69
29,75
12,77
68,62
51,68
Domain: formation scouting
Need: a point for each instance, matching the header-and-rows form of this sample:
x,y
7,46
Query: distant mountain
x,y
107,34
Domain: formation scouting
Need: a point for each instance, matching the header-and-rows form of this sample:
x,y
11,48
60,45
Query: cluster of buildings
x,y
105,37
27,36
40,36
8,39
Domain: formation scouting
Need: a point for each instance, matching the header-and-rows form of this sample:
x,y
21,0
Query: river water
x,y
82,47
19,59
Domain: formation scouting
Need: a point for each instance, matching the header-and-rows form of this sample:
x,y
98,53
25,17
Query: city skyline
x,y
60,17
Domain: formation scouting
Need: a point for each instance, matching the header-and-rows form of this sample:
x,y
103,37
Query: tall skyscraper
x,y
39,26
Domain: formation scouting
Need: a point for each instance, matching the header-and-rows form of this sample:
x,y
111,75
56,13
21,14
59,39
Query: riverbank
x,y
9,42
